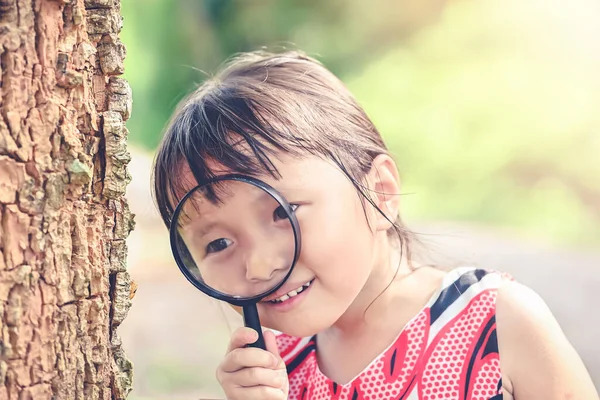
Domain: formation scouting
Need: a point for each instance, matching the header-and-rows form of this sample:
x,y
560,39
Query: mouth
x,y
291,294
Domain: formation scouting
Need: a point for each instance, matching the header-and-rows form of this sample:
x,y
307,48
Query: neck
x,y
390,267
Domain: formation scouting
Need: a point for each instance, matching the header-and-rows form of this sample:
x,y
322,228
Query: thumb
x,y
271,345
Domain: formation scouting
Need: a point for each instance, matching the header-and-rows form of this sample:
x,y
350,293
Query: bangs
x,y
259,107
227,130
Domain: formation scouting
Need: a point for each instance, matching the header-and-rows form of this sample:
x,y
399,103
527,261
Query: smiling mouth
x,y
291,293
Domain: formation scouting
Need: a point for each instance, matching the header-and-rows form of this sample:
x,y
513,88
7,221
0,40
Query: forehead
x,y
224,199
227,197
295,173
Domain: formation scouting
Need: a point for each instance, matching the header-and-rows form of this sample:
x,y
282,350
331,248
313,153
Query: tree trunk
x,y
64,288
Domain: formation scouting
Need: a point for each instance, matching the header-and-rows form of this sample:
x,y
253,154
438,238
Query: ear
x,y
384,187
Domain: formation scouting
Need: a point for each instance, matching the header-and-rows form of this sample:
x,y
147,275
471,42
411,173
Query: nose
x,y
264,263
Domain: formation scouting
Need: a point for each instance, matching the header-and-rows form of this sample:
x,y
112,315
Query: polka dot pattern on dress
x,y
411,342
286,344
300,378
439,367
446,366
486,381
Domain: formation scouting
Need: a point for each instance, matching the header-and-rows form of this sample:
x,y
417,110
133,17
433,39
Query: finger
x,y
248,357
271,345
241,337
256,393
256,376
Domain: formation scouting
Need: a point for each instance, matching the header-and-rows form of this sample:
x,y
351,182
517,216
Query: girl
x,y
373,320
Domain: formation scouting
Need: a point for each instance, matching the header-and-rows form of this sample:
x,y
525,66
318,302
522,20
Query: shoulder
x,y
465,277
536,357
465,292
517,302
468,283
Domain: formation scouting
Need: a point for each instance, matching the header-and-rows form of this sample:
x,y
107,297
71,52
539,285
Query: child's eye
x,y
280,213
218,245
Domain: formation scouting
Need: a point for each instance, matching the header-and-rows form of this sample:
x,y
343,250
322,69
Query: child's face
x,y
338,247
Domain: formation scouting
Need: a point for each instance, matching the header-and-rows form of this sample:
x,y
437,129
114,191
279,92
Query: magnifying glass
x,y
236,239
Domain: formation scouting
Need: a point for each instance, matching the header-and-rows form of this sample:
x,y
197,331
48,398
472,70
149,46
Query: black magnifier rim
x,y
205,288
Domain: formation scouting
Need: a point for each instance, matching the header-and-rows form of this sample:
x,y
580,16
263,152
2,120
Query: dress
x,y
449,350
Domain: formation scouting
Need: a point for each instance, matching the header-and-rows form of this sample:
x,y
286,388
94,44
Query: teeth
x,y
291,293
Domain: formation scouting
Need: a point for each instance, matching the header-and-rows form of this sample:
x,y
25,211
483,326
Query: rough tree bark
x,y
64,288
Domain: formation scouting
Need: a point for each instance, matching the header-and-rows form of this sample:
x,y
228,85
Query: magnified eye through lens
x,y
235,239
218,245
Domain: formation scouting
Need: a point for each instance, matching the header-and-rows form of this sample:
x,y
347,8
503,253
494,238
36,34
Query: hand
x,y
248,373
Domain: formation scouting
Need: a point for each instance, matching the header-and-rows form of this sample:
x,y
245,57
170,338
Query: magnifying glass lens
x,y
236,239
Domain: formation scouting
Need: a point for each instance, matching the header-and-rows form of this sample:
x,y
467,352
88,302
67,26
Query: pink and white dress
x,y
448,351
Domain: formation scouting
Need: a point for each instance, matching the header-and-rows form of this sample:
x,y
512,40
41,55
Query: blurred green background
x,y
490,107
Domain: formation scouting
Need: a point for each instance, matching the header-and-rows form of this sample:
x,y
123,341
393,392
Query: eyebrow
x,y
204,229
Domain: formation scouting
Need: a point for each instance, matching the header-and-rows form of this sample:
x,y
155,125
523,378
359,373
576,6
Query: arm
x,y
535,355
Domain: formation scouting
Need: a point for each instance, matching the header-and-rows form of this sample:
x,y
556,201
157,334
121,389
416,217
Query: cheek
x,y
337,240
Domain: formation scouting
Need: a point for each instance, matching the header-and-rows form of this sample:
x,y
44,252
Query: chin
x,y
308,319
301,327
298,331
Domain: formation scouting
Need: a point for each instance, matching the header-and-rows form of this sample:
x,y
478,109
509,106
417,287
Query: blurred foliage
x,y
488,106
174,45
493,116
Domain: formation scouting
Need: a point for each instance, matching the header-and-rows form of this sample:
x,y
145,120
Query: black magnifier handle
x,y
251,320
